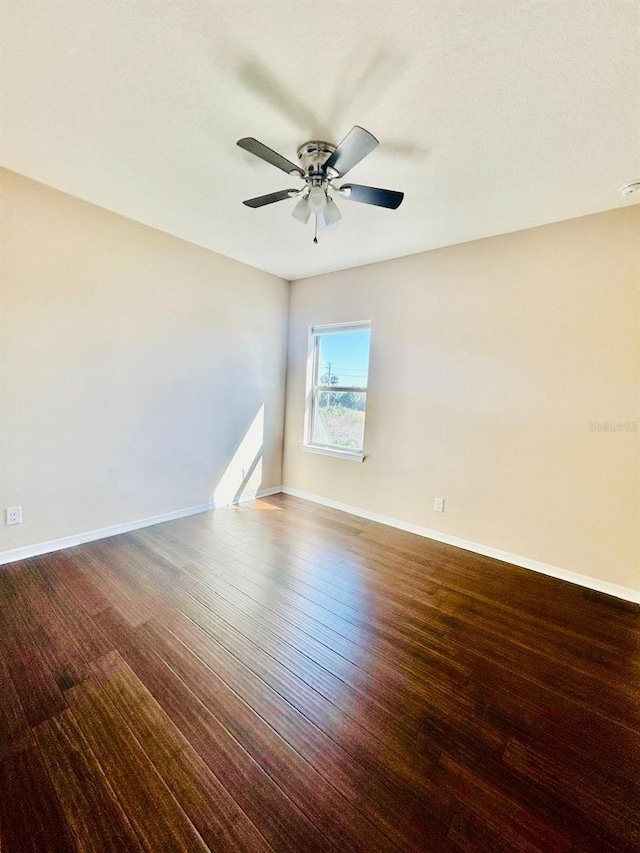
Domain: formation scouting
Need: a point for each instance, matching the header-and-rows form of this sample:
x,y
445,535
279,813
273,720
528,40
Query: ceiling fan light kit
x,y
321,163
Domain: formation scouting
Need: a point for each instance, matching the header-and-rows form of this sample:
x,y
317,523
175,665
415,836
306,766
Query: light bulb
x,y
317,200
301,211
331,212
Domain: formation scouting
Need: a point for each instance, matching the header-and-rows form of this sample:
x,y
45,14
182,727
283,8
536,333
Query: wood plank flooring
x,y
280,676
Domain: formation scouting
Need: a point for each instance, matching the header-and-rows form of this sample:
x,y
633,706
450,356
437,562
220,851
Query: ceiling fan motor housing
x,y
312,156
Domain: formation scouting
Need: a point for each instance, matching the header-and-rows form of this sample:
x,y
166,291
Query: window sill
x,y
351,455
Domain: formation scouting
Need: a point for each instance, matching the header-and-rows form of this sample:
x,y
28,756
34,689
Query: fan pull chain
x,y
315,236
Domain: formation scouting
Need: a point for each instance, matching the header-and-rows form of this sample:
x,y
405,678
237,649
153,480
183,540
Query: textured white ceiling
x,y
493,115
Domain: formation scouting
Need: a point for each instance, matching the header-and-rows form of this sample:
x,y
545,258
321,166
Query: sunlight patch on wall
x,y
244,472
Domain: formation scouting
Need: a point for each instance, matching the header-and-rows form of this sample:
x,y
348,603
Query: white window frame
x,y
312,388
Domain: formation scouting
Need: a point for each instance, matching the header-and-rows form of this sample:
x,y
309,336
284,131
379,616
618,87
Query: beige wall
x,y
135,369
489,360
132,366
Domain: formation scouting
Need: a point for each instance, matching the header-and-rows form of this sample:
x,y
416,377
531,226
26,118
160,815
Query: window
x,y
338,371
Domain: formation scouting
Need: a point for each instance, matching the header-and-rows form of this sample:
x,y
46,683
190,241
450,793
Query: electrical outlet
x,y
438,504
14,515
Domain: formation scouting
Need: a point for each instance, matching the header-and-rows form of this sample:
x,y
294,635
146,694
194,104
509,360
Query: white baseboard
x,y
104,532
524,562
39,548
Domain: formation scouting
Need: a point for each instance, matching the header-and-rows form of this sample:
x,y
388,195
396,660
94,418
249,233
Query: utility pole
x,y
329,401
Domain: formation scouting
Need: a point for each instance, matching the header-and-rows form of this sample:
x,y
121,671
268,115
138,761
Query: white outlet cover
x,y
14,515
438,504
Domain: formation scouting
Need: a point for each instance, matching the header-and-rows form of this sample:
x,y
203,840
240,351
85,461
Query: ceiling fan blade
x,y
254,147
261,200
372,195
353,148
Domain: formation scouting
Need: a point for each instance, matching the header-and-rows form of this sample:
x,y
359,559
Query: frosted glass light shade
x,y
322,224
331,212
301,211
317,200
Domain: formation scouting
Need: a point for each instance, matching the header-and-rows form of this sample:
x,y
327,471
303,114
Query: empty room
x,y
319,426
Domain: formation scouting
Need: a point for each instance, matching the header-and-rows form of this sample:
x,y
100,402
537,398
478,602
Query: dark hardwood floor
x,y
283,677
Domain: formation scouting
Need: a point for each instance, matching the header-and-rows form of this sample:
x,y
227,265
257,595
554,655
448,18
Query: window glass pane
x,y
343,359
339,418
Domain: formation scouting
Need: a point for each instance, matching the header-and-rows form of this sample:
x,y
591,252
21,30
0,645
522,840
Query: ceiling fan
x,y
320,164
